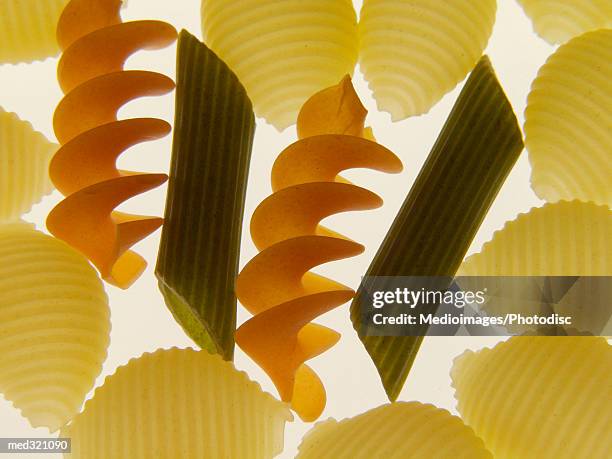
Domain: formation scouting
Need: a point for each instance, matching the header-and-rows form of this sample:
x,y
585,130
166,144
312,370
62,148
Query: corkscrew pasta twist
x,y
275,285
95,44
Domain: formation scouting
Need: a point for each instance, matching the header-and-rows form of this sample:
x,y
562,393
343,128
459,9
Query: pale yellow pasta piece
x,y
559,20
412,52
560,239
539,397
24,161
179,403
54,325
402,430
568,121
27,29
283,52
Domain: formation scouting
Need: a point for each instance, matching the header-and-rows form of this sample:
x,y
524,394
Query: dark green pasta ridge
x,y
200,243
474,152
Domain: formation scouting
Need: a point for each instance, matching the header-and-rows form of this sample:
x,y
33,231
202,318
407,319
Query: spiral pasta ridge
x,y
568,121
24,160
413,52
283,52
544,397
55,325
95,44
275,285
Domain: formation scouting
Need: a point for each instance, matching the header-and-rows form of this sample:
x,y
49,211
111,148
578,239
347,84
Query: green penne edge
x,y
200,243
476,149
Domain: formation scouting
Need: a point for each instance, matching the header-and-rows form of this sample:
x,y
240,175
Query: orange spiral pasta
x,y
275,285
95,44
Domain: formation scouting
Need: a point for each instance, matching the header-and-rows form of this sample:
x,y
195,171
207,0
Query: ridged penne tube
x,y
412,52
27,29
540,397
24,160
276,285
568,121
402,430
179,403
54,322
468,163
199,249
559,20
283,52
95,45
560,239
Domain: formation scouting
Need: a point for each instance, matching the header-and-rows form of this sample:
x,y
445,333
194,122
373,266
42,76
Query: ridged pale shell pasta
x,y
560,239
283,51
568,121
539,397
179,403
24,160
559,20
412,52
399,430
54,325
27,29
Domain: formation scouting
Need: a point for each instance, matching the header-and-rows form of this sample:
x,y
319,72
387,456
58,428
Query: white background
x,y
140,320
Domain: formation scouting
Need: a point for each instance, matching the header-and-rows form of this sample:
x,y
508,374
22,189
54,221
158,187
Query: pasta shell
x,y
24,159
399,430
283,52
54,318
27,29
568,122
413,52
560,239
556,21
179,403
539,397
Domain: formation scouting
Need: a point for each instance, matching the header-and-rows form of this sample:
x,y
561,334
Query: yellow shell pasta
x,y
402,430
54,325
568,121
560,239
559,20
412,52
539,397
27,29
24,160
283,52
179,403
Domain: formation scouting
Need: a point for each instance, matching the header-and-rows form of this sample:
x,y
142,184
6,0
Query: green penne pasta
x,y
199,251
475,151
